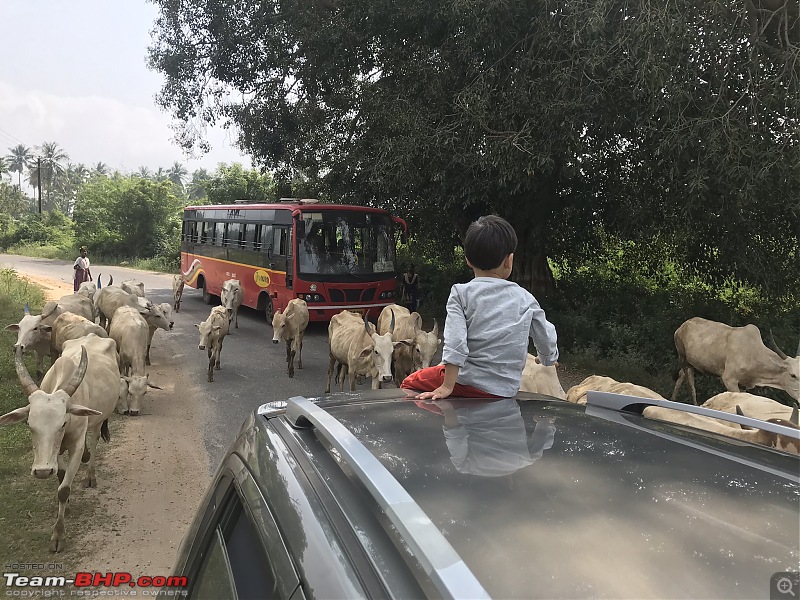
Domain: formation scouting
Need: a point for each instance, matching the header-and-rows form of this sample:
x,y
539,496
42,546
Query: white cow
x,y
130,331
598,383
735,354
158,317
539,379
355,346
291,326
108,299
231,297
68,414
418,347
177,291
69,327
34,331
747,434
133,286
212,333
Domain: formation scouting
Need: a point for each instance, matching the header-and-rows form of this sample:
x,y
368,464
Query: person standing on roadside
x,y
410,289
81,268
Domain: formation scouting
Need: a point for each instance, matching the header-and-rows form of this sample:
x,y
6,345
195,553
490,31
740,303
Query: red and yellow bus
x,y
333,256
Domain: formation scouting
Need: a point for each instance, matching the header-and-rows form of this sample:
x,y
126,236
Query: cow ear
x,y
15,416
82,411
408,343
13,327
366,352
155,387
46,328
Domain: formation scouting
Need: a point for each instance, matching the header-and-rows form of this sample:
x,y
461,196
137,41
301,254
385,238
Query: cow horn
x,y
435,330
28,384
99,283
110,280
777,350
794,418
366,324
741,414
77,376
391,325
27,309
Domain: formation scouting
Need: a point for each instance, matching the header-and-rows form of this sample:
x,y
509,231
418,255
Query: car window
x,y
236,565
214,578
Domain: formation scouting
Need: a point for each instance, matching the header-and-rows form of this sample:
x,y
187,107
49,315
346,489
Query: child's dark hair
x,y
488,241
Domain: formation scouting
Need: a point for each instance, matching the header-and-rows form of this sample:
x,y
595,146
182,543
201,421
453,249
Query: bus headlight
x,y
310,297
386,295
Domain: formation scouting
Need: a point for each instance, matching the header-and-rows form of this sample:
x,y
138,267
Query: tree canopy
x,y
671,125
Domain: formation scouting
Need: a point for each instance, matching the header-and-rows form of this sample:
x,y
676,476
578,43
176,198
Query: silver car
x,y
376,495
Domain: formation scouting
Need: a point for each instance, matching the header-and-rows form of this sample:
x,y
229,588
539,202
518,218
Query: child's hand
x,y
441,392
538,362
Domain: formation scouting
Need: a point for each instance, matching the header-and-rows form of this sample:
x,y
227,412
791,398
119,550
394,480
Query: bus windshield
x,y
345,245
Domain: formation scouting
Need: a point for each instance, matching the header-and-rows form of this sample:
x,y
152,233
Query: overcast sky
x,y
73,72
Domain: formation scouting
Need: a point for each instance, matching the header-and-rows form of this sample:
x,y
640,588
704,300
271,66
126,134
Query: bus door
x,y
280,252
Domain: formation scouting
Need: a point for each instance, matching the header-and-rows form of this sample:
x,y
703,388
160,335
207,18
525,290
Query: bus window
x,y
232,234
280,241
207,233
266,238
251,236
192,233
219,234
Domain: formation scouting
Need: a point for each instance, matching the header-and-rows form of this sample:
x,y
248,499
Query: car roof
x,y
543,498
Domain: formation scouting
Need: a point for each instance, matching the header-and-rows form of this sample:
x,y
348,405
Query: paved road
x,y
253,368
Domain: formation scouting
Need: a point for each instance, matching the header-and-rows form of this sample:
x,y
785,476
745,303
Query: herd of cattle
x,y
94,369
97,368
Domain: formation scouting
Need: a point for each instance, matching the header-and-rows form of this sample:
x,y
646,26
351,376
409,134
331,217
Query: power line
x,y
10,136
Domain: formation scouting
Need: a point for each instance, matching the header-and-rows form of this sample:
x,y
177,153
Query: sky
x,y
74,72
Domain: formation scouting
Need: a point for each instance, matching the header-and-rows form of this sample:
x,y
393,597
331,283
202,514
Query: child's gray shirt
x,y
486,334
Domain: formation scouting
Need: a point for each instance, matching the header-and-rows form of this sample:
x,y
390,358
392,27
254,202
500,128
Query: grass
x,y
29,506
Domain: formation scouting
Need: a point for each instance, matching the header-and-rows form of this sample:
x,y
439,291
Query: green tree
x,y
196,189
100,168
50,166
12,201
177,174
127,216
230,183
144,172
628,118
19,159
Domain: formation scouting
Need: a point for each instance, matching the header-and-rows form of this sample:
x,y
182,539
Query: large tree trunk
x,y
531,269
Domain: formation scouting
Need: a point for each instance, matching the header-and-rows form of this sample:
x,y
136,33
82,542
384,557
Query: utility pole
x,y
39,177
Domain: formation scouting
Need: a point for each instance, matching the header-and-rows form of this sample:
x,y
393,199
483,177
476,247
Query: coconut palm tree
x,y
49,165
196,189
144,172
100,168
19,159
178,174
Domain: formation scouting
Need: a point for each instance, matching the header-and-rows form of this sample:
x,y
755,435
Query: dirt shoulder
x,y
151,476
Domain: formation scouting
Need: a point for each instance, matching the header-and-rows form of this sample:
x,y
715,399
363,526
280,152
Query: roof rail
x,y
299,200
446,569
621,402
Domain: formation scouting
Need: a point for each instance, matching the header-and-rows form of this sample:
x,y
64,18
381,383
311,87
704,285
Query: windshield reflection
x,y
488,437
355,244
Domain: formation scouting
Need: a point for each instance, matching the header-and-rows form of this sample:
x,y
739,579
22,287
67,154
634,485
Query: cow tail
x,y
104,432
